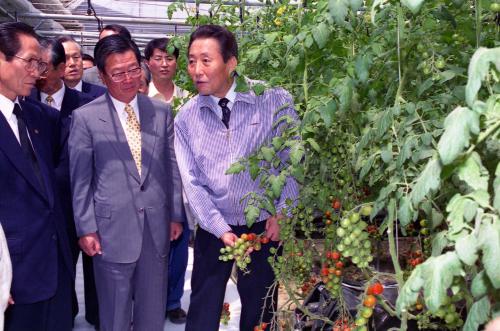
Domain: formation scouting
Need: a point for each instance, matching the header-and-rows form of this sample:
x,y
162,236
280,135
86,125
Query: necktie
x,y
226,112
49,100
133,134
26,144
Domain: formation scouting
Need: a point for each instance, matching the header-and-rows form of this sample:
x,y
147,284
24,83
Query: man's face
x,y
207,69
124,65
15,78
50,80
74,63
162,65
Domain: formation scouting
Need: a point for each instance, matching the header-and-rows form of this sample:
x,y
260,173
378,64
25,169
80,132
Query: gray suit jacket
x,y
109,196
91,75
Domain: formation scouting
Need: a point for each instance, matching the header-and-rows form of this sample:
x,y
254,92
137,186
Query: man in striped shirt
x,y
213,130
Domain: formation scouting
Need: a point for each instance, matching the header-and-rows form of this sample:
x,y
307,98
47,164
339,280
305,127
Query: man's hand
x,y
175,230
10,301
229,239
90,244
273,228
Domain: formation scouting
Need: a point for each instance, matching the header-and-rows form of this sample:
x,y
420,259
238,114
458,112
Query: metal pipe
x,y
5,12
117,19
89,34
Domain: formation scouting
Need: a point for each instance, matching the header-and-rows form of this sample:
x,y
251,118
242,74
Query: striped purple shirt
x,y
205,149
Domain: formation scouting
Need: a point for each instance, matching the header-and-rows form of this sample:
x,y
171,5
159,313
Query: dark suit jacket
x,y
72,99
93,90
32,220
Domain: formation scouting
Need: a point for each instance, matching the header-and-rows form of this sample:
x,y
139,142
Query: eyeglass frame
x,y
41,66
132,73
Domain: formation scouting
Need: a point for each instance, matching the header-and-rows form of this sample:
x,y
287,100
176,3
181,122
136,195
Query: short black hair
x,y
114,44
119,29
146,71
64,39
161,44
87,57
57,54
227,42
9,37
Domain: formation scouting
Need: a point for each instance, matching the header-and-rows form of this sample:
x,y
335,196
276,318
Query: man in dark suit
x,y
30,211
126,191
51,91
74,69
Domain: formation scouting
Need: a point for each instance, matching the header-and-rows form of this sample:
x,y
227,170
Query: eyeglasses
x,y
121,76
34,64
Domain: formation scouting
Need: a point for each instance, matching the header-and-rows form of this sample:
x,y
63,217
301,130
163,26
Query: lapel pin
x,y
36,131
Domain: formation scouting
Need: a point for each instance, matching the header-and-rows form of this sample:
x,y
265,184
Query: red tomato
x,y
377,288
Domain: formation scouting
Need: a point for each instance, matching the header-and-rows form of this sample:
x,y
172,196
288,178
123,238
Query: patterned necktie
x,y
133,134
49,100
226,112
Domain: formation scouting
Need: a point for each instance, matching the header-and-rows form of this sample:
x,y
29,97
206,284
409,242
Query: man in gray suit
x,y
126,191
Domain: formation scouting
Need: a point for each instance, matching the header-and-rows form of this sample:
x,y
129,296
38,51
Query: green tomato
x,y
354,218
340,232
360,321
345,223
366,312
440,63
450,318
366,210
495,7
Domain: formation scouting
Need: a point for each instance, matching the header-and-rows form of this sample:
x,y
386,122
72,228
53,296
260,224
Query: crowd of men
x,y
92,161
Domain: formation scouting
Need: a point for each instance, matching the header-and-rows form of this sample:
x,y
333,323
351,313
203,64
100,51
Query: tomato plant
x,y
399,129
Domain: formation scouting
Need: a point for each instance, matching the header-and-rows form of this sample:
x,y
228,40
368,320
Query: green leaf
x,y
473,173
268,153
251,214
424,86
345,92
405,151
384,122
478,69
235,168
258,89
270,38
438,273
241,84
355,5
320,33
296,153
413,5
277,184
268,205
386,155
478,314
361,67
458,125
466,248
437,218
254,168
410,290
429,180
367,166
253,54
481,197
489,241
496,188
277,142
405,212
338,10
327,112
461,210
439,243
480,284
314,144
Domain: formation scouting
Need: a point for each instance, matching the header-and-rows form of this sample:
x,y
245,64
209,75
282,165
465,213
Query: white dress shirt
x,y
79,86
7,109
230,95
58,97
120,109
5,276
178,93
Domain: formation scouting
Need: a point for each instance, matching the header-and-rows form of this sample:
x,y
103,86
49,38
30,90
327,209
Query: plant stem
x,y
478,23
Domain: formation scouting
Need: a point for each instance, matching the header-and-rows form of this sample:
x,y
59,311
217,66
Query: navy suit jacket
x,y
72,100
31,216
93,90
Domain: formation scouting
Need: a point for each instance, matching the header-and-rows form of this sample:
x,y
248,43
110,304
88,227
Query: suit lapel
x,y
112,129
148,133
10,145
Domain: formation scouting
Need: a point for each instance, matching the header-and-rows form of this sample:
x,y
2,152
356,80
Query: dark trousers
x,y
90,292
210,277
54,314
177,265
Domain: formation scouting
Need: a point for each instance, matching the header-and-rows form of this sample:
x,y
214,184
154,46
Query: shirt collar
x,y
7,106
154,93
58,97
230,95
79,86
120,106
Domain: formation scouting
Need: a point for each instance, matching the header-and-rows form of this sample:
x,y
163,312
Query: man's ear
x,y
60,68
232,63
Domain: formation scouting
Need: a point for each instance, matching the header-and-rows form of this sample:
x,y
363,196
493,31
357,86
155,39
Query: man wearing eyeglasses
x,y
30,211
126,191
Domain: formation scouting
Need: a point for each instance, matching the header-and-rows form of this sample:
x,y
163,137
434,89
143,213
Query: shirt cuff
x,y
219,227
